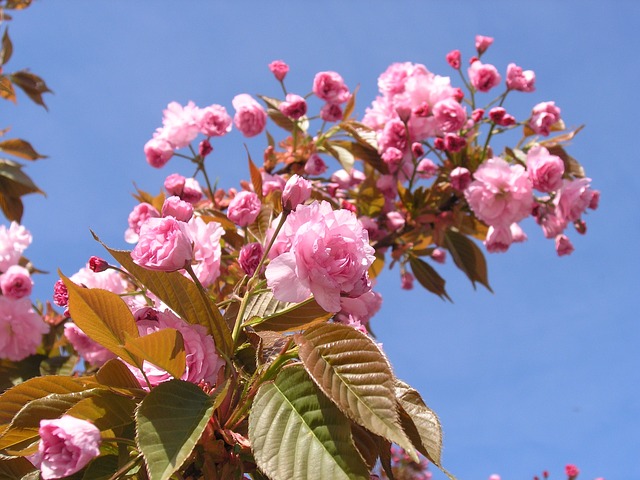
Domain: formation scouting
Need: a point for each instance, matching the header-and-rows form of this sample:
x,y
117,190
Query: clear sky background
x,y
542,373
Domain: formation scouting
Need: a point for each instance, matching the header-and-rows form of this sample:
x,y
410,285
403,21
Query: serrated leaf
x,y
182,296
101,468
104,317
14,399
296,433
468,258
353,372
164,348
20,148
260,226
6,89
170,421
7,48
32,85
428,277
115,374
367,444
271,314
424,419
105,409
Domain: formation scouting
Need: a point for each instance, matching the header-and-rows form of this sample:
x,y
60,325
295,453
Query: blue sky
x,y
543,372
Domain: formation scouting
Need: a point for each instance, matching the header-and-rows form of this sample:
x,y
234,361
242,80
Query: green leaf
x,y
342,154
7,48
370,199
101,468
170,421
428,277
280,316
164,348
20,148
105,409
468,257
104,317
296,433
32,85
182,296
424,419
354,373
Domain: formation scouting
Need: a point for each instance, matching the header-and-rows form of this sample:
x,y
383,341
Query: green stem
x,y
126,467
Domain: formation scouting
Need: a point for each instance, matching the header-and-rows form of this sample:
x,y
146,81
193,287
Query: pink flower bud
x,y
330,87
244,208
417,149
164,245
97,264
595,199
249,257
454,143
460,178
477,115
453,59
395,221
438,255
482,43
294,106
16,282
483,76
498,239
297,190
205,148
213,121
279,69
178,209
572,471
406,281
426,168
564,247
60,294
174,184
250,117
331,112
158,152
315,165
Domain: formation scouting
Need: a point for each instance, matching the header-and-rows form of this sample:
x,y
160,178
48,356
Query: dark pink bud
x,y
458,95
496,114
417,149
422,110
97,264
473,59
60,294
331,112
453,59
454,143
545,474
279,69
595,199
348,206
249,257
205,148
439,143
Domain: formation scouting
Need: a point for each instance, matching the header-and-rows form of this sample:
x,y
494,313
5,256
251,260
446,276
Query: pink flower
x,y
439,255
498,239
392,81
174,184
564,247
571,471
178,209
279,69
158,151
13,241
360,308
500,194
179,124
192,192
296,191
393,135
499,116
330,87
202,359
206,249
519,80
249,257
406,281
92,352
573,198
545,170
213,121
460,178
482,43
331,112
97,264
453,59
450,116
543,117
16,282
140,214
271,183
315,165
244,208
294,106
21,328
483,76
494,477
67,445
329,255
552,224
395,221
250,117
60,294
164,245
426,168
107,280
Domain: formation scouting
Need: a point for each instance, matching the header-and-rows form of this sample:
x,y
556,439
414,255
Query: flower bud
x,y
249,257
97,264
60,294
178,209
297,190
453,59
279,69
205,148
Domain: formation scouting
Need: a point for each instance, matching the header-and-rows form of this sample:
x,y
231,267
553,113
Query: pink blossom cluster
x,y
21,326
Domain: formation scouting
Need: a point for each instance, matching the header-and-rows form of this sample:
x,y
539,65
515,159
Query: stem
x,y
126,467
126,441
199,160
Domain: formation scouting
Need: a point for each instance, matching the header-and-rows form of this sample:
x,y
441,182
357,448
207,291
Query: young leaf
x,y
115,374
283,316
182,296
353,372
468,257
256,177
169,423
106,410
428,277
12,207
104,317
164,348
20,148
7,48
13,181
6,89
366,443
16,468
32,85
296,433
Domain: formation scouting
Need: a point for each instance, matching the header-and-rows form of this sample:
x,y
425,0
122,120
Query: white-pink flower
x,y
328,256
213,121
207,251
13,241
179,124
67,445
501,194
22,328
202,359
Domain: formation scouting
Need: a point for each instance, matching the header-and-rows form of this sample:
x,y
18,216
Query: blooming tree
x,y
233,340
